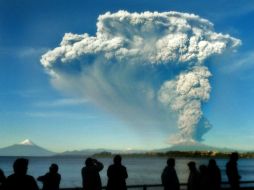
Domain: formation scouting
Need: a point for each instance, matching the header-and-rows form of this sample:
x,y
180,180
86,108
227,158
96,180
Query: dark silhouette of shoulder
x,y
51,180
194,177
117,174
90,174
214,175
2,179
20,180
204,177
169,177
232,171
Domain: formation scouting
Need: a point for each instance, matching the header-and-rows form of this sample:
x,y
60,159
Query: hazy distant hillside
x,y
193,147
25,148
183,147
89,152
28,148
86,152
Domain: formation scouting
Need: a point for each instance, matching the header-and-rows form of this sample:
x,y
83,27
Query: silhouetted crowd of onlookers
x,y
205,178
19,180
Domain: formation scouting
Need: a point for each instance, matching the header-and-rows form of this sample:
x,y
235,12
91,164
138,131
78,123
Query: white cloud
x,y
62,102
59,114
24,51
31,51
176,37
144,67
185,95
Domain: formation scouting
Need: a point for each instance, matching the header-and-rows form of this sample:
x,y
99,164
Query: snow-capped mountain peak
x,y
25,148
26,142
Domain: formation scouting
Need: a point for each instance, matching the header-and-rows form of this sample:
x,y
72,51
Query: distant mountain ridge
x,y
25,148
194,146
181,147
28,148
87,152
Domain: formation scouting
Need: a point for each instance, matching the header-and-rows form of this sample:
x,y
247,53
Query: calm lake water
x,y
140,170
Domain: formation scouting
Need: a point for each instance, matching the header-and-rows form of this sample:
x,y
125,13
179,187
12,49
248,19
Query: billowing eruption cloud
x,y
147,68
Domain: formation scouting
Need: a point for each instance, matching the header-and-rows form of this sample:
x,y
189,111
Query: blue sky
x,y
30,106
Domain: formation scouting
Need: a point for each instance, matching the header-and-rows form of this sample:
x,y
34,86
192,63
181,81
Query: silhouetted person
x,y
90,174
232,171
214,175
117,174
193,180
2,179
51,180
20,180
169,177
204,178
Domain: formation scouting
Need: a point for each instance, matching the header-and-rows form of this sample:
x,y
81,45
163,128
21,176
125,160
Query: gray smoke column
x,y
146,68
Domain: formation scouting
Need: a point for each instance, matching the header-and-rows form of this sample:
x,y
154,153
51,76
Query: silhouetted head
x,y
192,166
203,169
171,162
212,163
53,168
89,162
234,156
20,166
117,159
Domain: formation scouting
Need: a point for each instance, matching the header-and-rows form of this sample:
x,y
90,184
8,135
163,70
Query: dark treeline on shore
x,y
178,154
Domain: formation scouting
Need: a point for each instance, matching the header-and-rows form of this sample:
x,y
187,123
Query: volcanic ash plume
x,y
146,68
